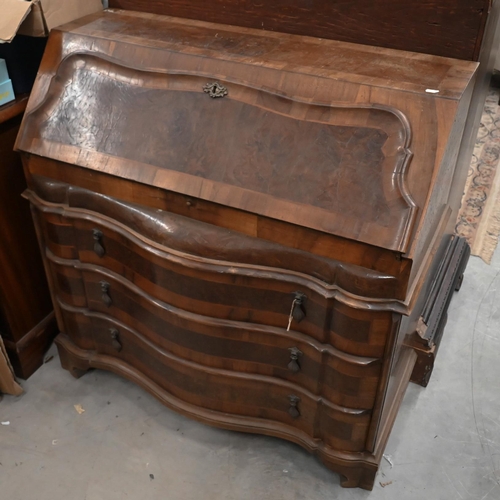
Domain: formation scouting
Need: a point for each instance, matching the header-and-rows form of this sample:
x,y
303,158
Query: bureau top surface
x,y
374,66
451,28
342,138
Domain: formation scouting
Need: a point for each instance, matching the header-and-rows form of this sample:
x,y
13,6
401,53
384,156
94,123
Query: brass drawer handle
x,y
106,298
293,411
297,312
294,365
115,339
98,247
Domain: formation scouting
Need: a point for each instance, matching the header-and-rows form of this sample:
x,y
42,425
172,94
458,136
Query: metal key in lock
x,y
297,311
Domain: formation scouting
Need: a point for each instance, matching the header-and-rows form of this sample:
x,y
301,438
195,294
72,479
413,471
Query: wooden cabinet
x,y
246,224
27,324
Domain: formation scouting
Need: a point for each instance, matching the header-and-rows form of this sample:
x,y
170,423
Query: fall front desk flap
x,y
341,138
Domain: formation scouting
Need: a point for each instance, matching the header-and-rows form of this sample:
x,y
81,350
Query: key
x,y
290,318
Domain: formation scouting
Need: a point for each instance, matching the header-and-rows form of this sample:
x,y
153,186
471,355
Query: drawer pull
x,y
294,365
297,312
293,411
115,339
106,298
98,247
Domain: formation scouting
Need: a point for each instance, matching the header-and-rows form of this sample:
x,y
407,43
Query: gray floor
x,y
445,444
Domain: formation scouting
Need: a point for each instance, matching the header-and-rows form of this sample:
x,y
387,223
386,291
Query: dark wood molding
x,y
26,322
430,327
330,246
13,108
181,244
27,354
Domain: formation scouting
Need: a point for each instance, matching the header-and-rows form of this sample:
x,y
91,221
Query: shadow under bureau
x,y
247,224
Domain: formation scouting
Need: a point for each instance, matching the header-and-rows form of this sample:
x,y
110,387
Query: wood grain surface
x,y
44,176
356,469
26,320
241,346
322,79
451,28
267,139
329,321
143,233
346,381
254,260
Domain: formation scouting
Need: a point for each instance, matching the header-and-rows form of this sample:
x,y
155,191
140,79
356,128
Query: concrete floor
x,y
445,443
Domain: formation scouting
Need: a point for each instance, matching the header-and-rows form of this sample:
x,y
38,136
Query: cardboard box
x,y
23,56
38,17
4,74
6,90
25,25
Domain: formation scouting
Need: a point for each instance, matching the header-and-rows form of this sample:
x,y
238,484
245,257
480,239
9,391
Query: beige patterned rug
x,y
479,216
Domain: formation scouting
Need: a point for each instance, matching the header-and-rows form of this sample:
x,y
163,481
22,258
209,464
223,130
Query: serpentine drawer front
x,y
344,379
245,223
220,288
222,390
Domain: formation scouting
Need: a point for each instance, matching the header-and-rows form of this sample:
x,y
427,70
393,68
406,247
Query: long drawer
x,y
225,290
222,390
343,379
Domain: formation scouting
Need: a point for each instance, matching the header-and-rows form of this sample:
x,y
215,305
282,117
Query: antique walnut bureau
x,y
246,224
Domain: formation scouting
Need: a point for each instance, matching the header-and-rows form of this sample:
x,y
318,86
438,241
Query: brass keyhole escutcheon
x,y
215,90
